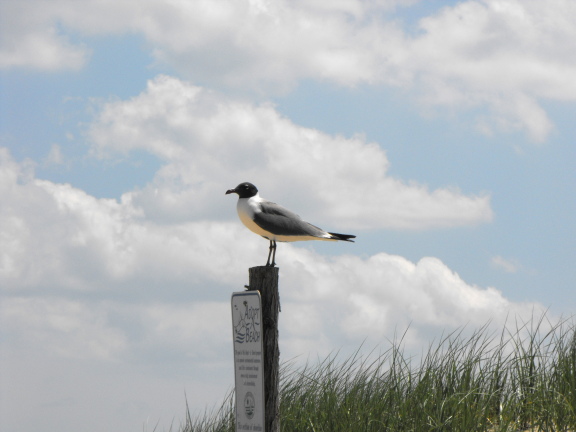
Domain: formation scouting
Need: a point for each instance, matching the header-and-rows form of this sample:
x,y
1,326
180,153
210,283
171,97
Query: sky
x,y
441,133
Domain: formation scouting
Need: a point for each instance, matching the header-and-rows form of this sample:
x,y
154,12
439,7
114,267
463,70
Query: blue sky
x,y
440,133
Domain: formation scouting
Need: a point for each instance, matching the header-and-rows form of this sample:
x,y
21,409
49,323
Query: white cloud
x,y
56,238
210,143
55,156
29,37
348,299
502,56
57,235
61,327
507,265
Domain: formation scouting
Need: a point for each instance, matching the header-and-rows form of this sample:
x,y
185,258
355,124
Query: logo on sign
x,y
246,323
249,405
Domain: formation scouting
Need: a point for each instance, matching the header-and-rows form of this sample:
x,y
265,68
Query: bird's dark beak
x,y
229,191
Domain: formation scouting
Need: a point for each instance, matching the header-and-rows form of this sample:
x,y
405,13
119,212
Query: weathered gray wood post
x,y
265,280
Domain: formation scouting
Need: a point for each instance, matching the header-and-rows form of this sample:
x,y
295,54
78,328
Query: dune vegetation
x,y
509,381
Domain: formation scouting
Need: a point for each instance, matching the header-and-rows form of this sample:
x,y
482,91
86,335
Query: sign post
x,y
247,333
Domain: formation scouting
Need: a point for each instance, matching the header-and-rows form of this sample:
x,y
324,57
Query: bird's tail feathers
x,y
344,237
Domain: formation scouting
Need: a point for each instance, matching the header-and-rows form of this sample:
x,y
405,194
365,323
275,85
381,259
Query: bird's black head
x,y
244,190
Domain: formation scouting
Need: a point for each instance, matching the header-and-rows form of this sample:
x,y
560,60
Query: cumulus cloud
x,y
62,327
59,240
210,143
29,37
57,236
502,54
498,56
347,299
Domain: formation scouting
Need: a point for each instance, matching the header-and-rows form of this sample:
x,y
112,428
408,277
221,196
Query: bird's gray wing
x,y
280,221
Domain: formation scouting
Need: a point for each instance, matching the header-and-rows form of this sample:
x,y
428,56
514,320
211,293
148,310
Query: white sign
x,y
248,360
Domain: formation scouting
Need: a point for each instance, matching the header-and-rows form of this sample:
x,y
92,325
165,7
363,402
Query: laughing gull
x,y
274,222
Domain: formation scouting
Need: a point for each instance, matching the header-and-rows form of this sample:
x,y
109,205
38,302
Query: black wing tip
x,y
344,237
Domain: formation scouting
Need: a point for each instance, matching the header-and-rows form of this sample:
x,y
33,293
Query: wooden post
x,y
265,280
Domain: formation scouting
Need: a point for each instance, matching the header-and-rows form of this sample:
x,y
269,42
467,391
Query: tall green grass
x,y
510,381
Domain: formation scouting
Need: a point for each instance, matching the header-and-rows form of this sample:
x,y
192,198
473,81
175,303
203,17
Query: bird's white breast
x,y
247,208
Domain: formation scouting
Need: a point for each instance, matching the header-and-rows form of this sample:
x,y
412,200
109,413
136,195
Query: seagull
x,y
276,223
